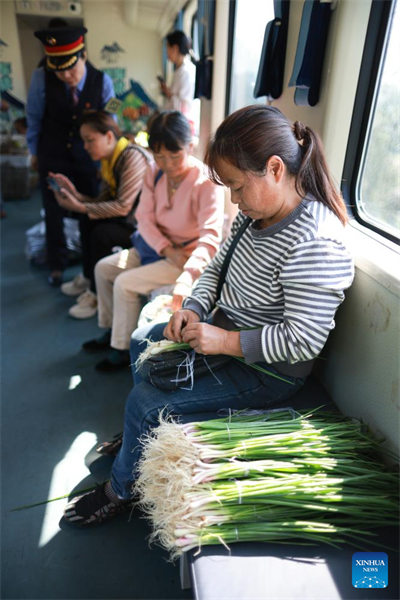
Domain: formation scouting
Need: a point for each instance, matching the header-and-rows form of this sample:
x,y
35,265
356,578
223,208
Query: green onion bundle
x,y
278,476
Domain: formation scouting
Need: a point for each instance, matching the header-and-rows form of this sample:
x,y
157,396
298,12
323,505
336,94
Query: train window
x,y
194,36
371,173
247,22
378,197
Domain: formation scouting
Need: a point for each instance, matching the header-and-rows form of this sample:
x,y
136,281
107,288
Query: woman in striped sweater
x,y
107,220
284,283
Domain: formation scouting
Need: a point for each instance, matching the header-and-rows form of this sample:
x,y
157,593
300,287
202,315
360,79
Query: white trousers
x,y
120,281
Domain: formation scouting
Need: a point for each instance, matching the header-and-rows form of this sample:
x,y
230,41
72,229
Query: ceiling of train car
x,y
155,15
151,15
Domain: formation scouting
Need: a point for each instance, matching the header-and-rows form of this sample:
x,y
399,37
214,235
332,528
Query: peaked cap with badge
x,y
62,46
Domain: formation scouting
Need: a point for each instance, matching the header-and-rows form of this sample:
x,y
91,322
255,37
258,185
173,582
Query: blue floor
x,y
54,408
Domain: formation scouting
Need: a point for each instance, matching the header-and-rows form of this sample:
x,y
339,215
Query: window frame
x,y
229,62
193,28
364,106
230,53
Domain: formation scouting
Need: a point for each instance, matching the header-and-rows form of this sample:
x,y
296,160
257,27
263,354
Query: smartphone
x,y
53,184
160,79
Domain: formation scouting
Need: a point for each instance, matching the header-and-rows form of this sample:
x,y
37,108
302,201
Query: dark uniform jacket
x,y
60,145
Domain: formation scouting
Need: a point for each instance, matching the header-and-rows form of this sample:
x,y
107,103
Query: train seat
x,y
258,571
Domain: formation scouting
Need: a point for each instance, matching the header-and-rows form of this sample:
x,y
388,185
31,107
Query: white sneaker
x,y
77,286
86,306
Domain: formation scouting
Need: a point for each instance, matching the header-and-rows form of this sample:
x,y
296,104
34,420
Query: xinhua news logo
x,y
370,570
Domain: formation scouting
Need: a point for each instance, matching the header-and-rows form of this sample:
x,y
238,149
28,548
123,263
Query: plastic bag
x,y
35,247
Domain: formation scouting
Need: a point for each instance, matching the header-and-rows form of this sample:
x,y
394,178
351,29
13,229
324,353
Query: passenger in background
x,y
284,283
181,93
57,97
108,219
180,217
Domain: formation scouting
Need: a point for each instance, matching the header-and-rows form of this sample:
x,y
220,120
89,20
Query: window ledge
x,y
376,256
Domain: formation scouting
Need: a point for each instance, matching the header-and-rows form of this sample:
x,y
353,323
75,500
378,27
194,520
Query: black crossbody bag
x,y
166,370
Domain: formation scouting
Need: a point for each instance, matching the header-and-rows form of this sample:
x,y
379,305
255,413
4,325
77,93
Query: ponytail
x,y
313,175
251,135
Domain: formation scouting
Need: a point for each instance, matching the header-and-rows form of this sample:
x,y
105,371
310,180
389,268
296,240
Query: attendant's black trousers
x,y
98,238
86,183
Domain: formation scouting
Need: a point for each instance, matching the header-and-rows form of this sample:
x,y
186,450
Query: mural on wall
x,y
111,53
118,75
6,80
135,109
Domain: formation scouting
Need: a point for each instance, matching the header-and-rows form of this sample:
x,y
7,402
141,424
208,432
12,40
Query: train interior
x,y
56,408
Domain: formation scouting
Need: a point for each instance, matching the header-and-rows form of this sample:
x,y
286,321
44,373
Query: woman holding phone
x,y
106,221
180,219
179,96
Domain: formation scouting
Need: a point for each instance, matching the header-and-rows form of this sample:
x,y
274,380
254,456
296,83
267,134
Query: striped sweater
x,y
129,171
286,280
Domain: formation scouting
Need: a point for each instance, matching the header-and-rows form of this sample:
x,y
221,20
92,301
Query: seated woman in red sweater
x,y
180,217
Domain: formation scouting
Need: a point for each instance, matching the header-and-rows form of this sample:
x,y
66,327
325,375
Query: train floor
x,y
54,409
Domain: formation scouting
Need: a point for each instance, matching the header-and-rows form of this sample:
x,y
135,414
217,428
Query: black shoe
x,y
99,343
115,361
55,278
95,507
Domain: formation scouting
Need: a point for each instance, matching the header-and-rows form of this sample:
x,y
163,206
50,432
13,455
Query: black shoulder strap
x,y
160,173
228,256
137,200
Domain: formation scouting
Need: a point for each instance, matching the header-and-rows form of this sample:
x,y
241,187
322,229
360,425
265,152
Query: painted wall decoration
x,y
111,53
6,80
118,76
136,108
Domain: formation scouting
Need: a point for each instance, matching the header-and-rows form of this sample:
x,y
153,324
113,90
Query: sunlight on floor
x,y
66,475
74,381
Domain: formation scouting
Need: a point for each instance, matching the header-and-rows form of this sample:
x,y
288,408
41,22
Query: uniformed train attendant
x,y
58,95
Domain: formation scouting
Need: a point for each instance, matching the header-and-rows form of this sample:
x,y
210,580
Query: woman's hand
x,y
208,339
65,183
181,291
69,202
180,319
177,301
178,256
165,89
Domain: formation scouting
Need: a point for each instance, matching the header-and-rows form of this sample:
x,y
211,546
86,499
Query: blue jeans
x,y
241,387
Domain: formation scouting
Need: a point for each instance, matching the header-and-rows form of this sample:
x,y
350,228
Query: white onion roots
x,y
165,476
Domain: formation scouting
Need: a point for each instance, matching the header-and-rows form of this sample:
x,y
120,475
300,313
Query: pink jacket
x,y
196,212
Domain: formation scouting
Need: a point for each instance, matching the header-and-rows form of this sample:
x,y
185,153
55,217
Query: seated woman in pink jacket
x,y
180,217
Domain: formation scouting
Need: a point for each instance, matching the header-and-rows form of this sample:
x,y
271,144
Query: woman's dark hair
x,y
250,136
101,121
170,129
178,38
